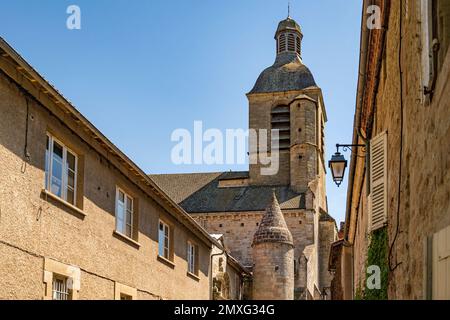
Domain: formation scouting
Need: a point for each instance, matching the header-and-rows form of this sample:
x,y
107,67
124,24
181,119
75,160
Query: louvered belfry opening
x,y
281,121
289,42
298,45
282,43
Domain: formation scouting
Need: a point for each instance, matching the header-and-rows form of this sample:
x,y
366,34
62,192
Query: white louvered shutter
x,y
378,185
441,265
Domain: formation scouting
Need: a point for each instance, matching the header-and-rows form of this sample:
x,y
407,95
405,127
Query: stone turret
x,y
273,257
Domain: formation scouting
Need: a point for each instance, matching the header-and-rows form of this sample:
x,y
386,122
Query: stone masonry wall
x,y
238,230
421,171
273,275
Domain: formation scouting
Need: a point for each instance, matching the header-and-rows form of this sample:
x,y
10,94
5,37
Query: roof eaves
x,y
69,107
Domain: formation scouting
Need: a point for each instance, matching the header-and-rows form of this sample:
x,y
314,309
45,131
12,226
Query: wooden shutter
x,y
378,185
441,265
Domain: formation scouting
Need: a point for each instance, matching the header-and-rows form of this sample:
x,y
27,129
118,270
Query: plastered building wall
x,y
35,227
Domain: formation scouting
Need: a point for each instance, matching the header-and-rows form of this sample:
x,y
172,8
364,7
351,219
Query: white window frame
x,y
166,227
49,169
60,290
126,198
427,38
191,257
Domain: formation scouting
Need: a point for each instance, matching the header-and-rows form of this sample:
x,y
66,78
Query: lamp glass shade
x,y
338,165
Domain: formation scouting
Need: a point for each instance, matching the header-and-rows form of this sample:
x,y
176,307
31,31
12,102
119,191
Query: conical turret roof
x,y
273,227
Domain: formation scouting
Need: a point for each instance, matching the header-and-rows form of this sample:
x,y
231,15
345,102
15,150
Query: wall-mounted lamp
x,y
338,164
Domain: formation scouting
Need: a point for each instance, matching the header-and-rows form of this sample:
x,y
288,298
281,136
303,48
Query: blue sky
x,y
140,69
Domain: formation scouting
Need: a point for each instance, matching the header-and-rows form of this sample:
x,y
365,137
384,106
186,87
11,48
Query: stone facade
x,y
394,98
229,280
273,257
239,228
44,238
233,203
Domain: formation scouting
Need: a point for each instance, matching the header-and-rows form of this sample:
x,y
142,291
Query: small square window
x,y
125,297
60,290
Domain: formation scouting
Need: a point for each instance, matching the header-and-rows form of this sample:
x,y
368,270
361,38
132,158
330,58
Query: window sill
x,y
166,261
48,194
126,239
193,276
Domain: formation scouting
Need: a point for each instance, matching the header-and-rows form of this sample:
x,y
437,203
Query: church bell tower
x,y
286,98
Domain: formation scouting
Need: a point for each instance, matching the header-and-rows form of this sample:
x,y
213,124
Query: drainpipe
x,y
357,121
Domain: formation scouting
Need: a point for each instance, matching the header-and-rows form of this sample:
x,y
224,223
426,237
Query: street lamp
x,y
338,164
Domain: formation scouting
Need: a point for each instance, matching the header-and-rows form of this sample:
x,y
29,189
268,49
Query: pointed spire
x,y
289,9
273,227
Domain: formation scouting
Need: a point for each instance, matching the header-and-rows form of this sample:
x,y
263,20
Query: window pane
x,y
166,253
129,215
59,289
128,231
70,161
129,204
70,196
47,162
121,197
57,169
166,242
57,150
71,179
56,186
161,242
120,216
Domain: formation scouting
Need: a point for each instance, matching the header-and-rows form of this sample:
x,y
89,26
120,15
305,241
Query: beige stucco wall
x,y
33,228
425,179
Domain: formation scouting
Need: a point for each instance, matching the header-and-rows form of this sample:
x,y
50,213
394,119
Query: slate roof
x,y
181,186
273,227
288,24
286,74
200,193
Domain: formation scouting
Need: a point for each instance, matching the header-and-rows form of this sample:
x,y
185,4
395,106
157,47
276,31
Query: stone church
x,y
278,225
